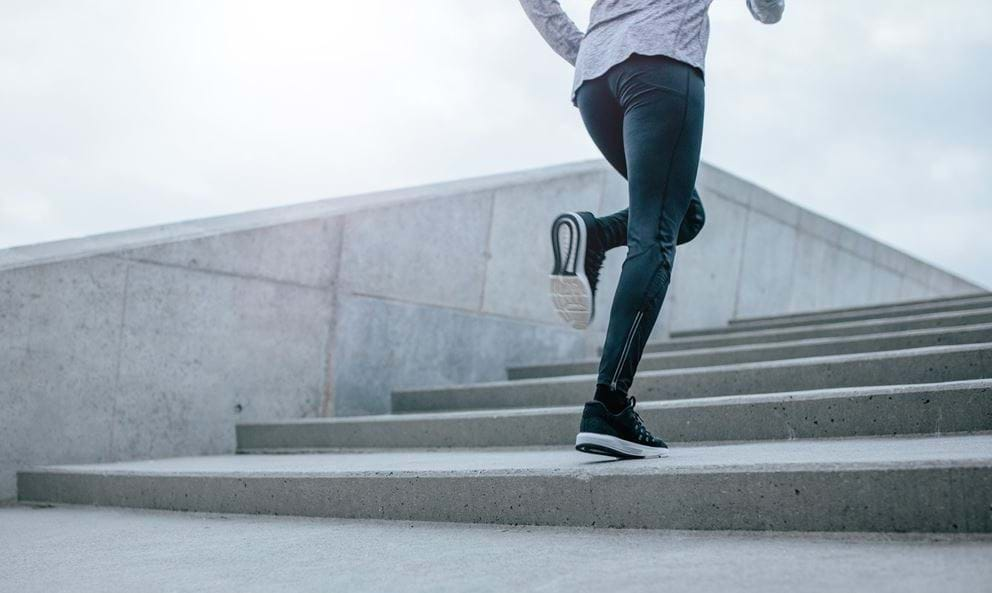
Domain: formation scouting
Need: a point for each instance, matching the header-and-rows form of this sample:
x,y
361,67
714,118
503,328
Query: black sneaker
x,y
617,435
578,260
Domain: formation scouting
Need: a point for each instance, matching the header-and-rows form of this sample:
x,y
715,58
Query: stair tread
x,y
742,399
772,346
787,362
880,307
78,548
713,333
816,455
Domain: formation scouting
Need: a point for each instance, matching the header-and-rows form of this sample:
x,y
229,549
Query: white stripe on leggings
x,y
626,347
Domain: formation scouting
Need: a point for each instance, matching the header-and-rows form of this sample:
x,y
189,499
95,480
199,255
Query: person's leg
x,y
615,225
579,239
603,118
662,102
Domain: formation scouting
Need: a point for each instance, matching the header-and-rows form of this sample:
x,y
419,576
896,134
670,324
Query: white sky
x,y
126,113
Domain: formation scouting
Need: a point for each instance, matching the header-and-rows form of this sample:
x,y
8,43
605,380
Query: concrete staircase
x,y
863,419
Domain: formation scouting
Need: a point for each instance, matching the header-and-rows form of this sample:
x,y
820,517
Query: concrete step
x,y
959,306
831,330
897,309
982,304
898,367
920,484
106,550
941,408
683,359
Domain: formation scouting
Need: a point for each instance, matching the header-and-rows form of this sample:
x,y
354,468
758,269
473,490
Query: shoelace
x,y
642,431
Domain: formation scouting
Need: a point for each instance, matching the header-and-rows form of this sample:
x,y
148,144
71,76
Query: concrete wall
x,y
762,255
154,342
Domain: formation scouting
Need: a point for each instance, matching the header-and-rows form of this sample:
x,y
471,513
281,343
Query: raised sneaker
x,y
578,260
617,435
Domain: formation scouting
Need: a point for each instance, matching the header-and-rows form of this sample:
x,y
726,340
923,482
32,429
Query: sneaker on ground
x,y
617,435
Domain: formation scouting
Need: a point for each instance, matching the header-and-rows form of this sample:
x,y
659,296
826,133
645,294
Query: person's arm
x,y
767,11
555,26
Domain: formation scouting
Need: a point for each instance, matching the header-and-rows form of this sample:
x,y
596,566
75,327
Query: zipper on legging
x,y
626,349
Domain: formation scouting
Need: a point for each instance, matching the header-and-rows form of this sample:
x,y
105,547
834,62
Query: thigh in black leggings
x,y
646,117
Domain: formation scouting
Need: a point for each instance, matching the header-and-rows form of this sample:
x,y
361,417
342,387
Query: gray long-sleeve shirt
x,y
617,28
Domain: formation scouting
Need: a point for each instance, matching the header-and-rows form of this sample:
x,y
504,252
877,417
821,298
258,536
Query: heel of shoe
x,y
602,444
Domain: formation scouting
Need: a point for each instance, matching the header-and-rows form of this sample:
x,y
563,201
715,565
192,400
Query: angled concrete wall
x,y
155,342
762,255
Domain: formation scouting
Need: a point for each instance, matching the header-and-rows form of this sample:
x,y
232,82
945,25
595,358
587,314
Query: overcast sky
x,y
118,114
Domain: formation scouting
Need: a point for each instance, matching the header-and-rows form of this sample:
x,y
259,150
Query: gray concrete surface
x,y
681,359
977,301
832,330
108,550
982,303
931,484
156,341
123,359
896,367
910,409
394,345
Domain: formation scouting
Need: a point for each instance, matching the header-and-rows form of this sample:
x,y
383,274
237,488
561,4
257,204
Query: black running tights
x,y
646,116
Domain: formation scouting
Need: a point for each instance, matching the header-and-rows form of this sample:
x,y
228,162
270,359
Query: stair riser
x,y
824,331
763,353
747,324
930,499
925,411
893,368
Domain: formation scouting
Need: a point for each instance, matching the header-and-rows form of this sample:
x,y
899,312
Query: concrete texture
x,y
156,341
251,344
517,250
681,359
891,312
977,301
819,263
941,408
710,269
897,367
128,359
386,255
109,550
840,328
51,384
933,484
393,345
769,290
256,253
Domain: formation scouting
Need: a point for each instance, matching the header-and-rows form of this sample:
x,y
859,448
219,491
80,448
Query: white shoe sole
x,y
570,291
602,444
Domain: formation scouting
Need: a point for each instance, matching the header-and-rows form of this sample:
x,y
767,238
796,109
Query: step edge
x,y
980,463
704,332
866,308
797,362
689,352
907,389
